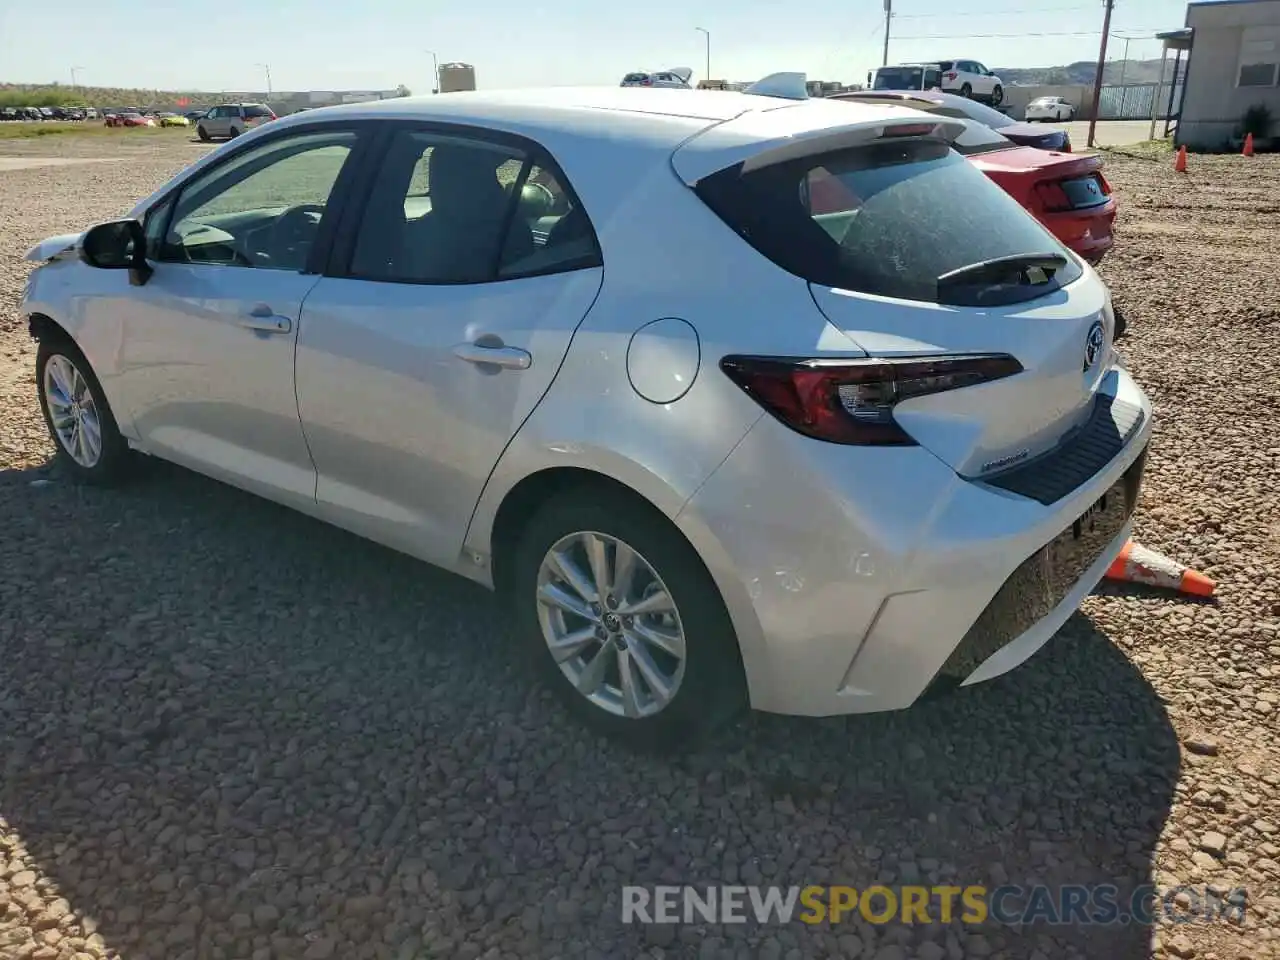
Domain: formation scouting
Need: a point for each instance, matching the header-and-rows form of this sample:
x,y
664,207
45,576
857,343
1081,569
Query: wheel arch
x,y
43,328
494,530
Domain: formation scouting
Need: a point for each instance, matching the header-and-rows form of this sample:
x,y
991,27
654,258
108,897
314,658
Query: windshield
x,y
899,78
888,219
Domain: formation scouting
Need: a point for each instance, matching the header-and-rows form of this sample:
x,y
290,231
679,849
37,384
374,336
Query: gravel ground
x,y
228,731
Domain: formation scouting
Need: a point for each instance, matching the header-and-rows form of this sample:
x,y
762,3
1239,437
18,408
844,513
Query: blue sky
x,y
377,44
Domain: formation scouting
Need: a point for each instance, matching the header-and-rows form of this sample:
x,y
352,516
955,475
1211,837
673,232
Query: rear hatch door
x,y
909,250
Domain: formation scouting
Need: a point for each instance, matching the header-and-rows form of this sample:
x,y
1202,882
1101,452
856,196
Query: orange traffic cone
x,y
1248,144
1180,162
1137,564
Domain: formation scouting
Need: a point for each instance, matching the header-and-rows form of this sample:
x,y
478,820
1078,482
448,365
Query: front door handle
x,y
511,358
262,319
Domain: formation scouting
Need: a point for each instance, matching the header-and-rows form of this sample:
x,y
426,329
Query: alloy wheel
x,y
611,624
76,420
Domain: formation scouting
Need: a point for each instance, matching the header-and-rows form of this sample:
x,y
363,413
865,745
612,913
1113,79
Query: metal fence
x,y
1134,101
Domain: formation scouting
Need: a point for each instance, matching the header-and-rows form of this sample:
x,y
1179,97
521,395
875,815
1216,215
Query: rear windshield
x,y
945,65
899,78
977,138
984,114
888,219
254,110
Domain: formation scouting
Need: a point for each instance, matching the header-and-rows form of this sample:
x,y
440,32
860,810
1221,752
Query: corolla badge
x,y
1093,344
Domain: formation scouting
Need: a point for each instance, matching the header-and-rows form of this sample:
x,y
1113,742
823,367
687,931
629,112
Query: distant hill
x,y
1083,72
59,94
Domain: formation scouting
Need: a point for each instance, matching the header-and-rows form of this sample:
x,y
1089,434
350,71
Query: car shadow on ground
x,y
232,731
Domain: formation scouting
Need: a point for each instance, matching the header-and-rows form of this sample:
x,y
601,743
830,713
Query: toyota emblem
x,y
1093,343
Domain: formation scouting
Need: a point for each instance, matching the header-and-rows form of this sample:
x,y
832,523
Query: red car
x,y
129,120
1064,191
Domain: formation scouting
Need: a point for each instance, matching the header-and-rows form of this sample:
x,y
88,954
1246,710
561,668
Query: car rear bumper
x,y
1088,233
860,579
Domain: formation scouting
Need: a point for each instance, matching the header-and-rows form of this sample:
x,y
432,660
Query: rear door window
x,y
889,219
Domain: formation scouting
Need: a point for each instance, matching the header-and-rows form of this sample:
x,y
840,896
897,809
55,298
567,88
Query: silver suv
x,y
232,119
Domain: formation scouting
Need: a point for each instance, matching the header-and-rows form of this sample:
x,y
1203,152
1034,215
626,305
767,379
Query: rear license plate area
x,y
1084,192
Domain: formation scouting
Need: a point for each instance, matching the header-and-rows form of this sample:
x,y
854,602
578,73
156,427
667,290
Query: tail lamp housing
x,y
851,401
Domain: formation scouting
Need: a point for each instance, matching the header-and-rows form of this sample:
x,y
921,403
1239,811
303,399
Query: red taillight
x,y
1103,185
1052,197
949,76
909,130
851,401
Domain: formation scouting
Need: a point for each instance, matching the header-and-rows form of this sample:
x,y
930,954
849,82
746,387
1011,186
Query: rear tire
x,y
234,133
997,96
966,91
81,424
705,680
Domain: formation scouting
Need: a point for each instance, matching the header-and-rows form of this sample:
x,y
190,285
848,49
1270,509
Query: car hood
x,y
51,247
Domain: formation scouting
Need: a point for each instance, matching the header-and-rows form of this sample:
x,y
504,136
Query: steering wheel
x,y
292,234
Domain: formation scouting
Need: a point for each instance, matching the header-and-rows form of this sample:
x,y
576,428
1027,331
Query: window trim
x,y
347,228
365,133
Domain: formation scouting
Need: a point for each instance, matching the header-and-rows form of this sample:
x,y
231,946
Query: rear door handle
x,y
262,319
511,358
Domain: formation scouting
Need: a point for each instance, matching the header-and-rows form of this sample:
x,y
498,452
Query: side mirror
x,y
119,245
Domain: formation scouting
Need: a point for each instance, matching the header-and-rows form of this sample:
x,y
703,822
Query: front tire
x,y
78,416
623,621
203,134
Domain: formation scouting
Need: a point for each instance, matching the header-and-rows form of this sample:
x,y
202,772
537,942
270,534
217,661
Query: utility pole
x,y
74,71
1124,64
266,67
888,15
435,71
706,33
1108,5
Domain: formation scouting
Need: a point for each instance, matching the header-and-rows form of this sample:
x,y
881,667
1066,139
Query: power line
x,y
1005,36
990,13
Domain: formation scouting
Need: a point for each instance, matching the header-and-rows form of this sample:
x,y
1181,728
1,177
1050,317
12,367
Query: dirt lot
x,y
228,731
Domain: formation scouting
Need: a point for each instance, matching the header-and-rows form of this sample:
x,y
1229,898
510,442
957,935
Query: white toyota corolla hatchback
x,y
737,400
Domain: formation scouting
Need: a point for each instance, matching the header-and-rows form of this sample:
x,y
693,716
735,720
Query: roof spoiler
x,y
784,86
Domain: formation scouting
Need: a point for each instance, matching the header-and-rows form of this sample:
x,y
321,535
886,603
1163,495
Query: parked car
x,y
969,78
1050,108
8,113
676,78
906,76
910,484
173,120
129,119
229,120
949,104
1065,192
